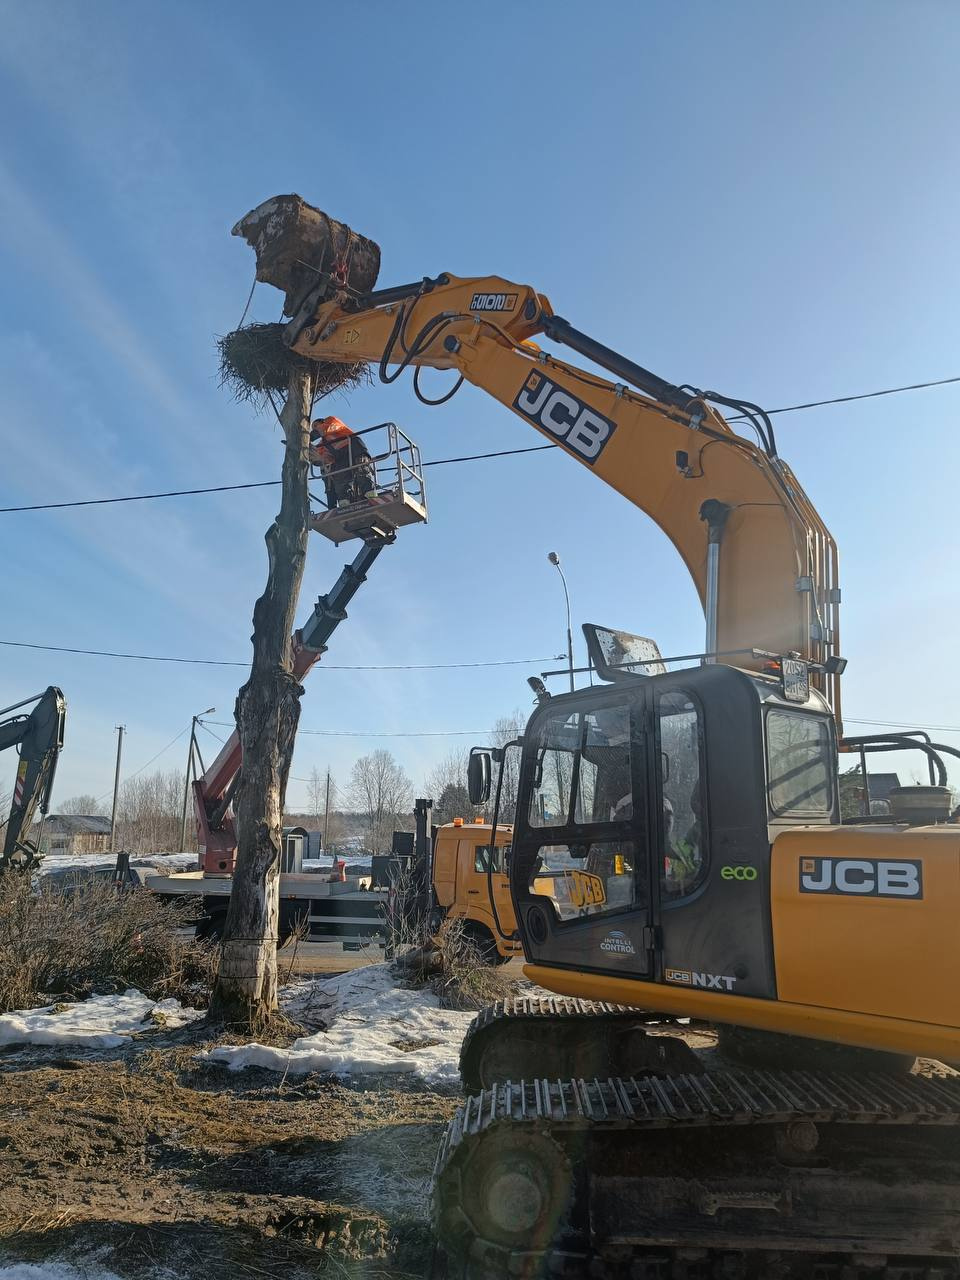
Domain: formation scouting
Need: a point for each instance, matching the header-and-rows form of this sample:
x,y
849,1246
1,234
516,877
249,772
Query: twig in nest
x,y
255,360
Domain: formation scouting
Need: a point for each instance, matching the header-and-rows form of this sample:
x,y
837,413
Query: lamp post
x,y
186,785
555,561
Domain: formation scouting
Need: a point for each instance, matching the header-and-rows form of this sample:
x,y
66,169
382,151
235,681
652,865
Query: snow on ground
x,y
53,1269
60,864
373,1027
102,1022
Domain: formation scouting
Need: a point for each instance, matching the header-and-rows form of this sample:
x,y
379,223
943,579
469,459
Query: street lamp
x,y
555,561
186,785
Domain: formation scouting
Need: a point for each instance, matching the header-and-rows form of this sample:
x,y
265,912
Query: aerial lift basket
x,y
395,497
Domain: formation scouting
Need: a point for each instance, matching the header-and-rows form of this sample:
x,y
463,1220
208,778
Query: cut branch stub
x,y
299,247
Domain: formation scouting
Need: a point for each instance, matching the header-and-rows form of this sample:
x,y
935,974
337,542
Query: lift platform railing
x,y
374,491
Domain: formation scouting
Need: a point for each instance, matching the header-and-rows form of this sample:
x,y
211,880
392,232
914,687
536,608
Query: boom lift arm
x,y
761,558
39,737
213,792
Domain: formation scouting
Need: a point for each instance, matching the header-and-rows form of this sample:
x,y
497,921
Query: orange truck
x,y
462,887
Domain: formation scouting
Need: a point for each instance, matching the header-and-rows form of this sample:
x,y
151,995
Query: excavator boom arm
x,y
770,581
39,737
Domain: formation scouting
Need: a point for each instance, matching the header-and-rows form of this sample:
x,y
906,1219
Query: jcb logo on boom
x,y
554,409
862,877
493,302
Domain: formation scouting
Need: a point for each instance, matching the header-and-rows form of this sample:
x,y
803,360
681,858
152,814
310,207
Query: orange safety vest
x,y
333,434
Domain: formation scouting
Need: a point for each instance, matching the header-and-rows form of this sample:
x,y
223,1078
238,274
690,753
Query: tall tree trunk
x,y
267,712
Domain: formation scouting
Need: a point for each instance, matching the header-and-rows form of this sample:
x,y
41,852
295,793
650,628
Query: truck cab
x,y
462,887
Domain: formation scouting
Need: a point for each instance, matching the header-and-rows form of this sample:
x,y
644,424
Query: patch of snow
x,y
58,864
102,1022
373,1028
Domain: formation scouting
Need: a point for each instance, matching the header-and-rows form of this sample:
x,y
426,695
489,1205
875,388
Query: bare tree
x,y
149,812
507,729
445,784
267,714
316,792
90,806
381,792
451,769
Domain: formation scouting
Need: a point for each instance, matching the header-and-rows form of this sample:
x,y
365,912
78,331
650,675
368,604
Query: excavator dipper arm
x,y
763,562
39,737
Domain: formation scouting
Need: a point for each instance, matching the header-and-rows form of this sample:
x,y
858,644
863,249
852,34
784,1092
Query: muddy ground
x,y
152,1160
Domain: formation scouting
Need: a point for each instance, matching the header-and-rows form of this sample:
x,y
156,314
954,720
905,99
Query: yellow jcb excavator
x,y
605,1134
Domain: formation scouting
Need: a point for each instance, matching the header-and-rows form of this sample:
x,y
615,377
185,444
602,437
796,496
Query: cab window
x,y
481,858
683,867
582,769
596,877
800,763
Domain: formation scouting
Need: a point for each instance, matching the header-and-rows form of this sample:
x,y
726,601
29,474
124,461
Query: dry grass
x,y
255,362
450,960
462,978
54,942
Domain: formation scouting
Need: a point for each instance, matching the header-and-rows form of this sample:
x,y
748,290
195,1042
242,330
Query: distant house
x,y
881,784
75,833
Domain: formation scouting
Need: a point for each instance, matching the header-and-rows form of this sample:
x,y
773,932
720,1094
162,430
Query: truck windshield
x,y
582,768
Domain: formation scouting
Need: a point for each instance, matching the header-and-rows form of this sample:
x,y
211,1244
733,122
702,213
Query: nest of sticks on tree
x,y
255,362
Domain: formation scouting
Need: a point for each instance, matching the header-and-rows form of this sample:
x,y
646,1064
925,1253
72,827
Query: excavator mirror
x,y
620,655
479,773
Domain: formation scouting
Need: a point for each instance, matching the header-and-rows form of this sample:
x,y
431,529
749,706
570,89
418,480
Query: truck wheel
x,y
485,943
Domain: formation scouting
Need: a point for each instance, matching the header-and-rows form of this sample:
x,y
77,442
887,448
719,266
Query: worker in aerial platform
x,y
344,459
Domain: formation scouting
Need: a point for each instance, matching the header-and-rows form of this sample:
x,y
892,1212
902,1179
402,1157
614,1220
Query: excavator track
x,y
562,1035
726,1173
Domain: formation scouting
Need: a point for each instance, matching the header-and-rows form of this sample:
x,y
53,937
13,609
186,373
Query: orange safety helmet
x,y
331,428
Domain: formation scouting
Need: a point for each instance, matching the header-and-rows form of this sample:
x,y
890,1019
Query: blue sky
x,y
758,198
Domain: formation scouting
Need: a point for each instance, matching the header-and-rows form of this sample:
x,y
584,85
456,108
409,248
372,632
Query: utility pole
x,y
555,561
326,813
186,785
116,791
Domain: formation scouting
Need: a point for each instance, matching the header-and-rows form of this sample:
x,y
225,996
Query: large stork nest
x,y
255,362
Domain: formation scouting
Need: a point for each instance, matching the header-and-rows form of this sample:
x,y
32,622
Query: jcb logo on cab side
x,y
554,409
708,981
862,877
586,890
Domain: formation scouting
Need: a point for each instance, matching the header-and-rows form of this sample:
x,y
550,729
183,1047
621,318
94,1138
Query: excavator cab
x,y
655,802
678,846
374,486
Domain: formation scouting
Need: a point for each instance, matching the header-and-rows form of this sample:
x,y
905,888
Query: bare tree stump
x,y
267,712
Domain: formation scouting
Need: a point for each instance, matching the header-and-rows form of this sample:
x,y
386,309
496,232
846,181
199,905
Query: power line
x,y
377,733
172,743
142,497
863,395
327,666
470,457
461,733
905,724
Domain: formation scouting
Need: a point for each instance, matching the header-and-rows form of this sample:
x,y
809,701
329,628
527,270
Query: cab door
x,y
472,891
582,878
